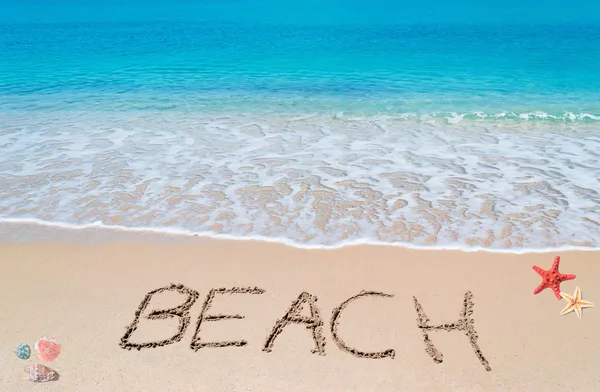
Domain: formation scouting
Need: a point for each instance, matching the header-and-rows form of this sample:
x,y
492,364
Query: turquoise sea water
x,y
368,70
227,119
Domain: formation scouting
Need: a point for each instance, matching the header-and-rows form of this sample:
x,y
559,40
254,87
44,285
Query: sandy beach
x,y
86,296
299,196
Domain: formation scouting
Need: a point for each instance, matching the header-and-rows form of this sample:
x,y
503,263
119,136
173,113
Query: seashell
x,y
47,349
40,373
23,351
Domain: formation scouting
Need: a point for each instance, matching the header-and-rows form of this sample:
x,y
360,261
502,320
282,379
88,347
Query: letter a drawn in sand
x,y
465,323
182,312
335,315
293,315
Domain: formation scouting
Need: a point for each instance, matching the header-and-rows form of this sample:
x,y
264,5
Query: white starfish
x,y
575,303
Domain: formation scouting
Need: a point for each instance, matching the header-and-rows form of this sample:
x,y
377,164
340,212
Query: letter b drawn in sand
x,y
196,343
341,344
465,323
293,315
182,312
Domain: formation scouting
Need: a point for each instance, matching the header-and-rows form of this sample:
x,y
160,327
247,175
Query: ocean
x,y
310,132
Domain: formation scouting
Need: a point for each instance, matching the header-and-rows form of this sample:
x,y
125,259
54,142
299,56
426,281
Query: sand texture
x,y
276,318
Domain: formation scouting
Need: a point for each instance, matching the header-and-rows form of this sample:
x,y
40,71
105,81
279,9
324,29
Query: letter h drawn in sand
x,y
465,323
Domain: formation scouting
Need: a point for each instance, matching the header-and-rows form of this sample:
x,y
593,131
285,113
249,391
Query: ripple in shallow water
x,y
311,179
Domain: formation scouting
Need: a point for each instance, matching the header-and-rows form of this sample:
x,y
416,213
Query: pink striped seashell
x,y
40,373
47,349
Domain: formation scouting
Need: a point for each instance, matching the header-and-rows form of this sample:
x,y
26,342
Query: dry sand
x,y
86,296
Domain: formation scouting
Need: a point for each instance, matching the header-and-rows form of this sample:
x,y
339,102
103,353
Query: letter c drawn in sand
x,y
335,315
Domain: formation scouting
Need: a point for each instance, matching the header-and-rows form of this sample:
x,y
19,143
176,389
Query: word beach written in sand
x,y
294,315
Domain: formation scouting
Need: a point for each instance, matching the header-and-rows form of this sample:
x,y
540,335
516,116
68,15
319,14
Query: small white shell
x,y
40,373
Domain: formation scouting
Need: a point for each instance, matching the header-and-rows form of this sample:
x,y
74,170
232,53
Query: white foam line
x,y
290,243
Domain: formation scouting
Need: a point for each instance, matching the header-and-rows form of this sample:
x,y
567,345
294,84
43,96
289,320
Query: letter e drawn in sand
x,y
294,315
335,323
465,323
196,343
182,312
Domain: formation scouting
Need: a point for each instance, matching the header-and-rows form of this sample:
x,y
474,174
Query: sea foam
x,y
308,180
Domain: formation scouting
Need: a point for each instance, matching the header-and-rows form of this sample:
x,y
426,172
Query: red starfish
x,y
552,278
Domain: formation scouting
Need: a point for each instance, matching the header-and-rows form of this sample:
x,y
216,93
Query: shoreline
x,y
312,181
37,230
86,296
